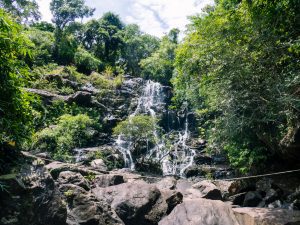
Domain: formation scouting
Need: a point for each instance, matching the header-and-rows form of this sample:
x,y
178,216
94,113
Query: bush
x,y
15,109
137,128
69,132
86,62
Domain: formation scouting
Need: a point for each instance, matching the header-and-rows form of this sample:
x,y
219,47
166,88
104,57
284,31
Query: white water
x,y
175,159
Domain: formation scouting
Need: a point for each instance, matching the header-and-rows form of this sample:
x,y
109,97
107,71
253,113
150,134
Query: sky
x,y
154,17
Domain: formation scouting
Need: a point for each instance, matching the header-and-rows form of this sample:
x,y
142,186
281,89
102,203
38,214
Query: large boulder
x,y
31,197
264,216
84,208
138,202
200,212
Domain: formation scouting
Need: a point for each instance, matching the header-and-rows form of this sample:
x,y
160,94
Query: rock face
x,y
31,198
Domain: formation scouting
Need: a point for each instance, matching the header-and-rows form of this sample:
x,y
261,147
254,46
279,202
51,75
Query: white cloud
x,y
155,17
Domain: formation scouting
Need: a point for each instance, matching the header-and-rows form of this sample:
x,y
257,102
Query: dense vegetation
x,y
237,68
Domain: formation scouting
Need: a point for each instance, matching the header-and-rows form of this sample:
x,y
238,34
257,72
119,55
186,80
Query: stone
x,y
32,198
208,190
264,216
82,98
68,177
168,183
107,180
252,199
99,164
84,208
56,168
238,199
200,212
131,201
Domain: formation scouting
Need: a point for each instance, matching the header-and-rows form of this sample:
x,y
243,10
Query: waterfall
x,y
175,159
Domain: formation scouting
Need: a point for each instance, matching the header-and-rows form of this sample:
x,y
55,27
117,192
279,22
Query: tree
x,y
24,10
66,11
137,46
15,110
104,37
160,65
136,129
238,63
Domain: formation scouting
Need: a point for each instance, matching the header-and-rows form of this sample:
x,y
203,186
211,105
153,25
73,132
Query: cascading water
x,y
174,159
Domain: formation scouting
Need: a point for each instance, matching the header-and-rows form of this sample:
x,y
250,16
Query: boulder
x,y
107,180
99,164
84,208
131,201
264,216
168,183
208,190
68,177
200,212
32,197
56,168
252,199
82,98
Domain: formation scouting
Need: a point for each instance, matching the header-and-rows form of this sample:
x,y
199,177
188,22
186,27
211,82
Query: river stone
x,y
200,212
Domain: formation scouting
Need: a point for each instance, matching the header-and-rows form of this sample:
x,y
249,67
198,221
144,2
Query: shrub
x,y
86,62
69,132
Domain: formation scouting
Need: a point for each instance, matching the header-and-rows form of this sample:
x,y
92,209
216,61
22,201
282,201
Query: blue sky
x,y
155,17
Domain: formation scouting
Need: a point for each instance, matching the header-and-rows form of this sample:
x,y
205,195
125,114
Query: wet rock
x,y
202,159
131,201
194,171
68,177
31,198
107,180
200,211
84,208
208,190
264,216
252,199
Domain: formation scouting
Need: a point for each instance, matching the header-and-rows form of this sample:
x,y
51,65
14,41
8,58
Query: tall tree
x,y
24,10
104,37
160,65
66,11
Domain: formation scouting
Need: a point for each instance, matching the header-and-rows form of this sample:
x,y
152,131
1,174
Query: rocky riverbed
x,y
46,192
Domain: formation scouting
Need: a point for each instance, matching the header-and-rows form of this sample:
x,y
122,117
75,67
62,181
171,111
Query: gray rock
x,y
84,208
131,201
32,198
68,177
107,180
200,212
99,164
208,190
252,199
